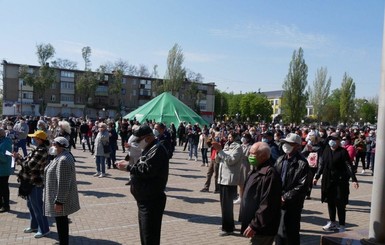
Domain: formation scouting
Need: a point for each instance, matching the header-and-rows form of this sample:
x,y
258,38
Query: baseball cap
x,y
142,131
40,134
292,138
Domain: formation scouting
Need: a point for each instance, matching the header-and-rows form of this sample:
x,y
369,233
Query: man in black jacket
x,y
262,197
148,182
294,171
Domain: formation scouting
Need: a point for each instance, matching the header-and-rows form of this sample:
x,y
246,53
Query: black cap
x,y
268,133
142,131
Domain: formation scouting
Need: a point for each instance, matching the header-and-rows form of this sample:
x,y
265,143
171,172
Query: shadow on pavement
x,y
100,194
177,189
193,200
87,240
189,176
185,170
202,219
83,182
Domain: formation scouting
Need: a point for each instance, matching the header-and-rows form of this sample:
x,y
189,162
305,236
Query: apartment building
x,y
275,98
62,98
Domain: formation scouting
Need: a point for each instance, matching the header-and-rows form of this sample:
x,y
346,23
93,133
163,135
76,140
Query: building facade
x,y
63,99
275,98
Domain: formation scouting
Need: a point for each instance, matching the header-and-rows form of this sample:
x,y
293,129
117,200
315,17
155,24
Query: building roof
x,y
273,94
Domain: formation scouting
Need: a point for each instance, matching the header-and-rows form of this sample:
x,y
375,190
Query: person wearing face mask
x,y
336,170
22,130
268,137
5,170
162,135
31,179
102,139
295,175
61,193
262,197
245,166
149,178
229,159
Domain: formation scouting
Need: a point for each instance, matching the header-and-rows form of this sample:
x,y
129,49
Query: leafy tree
x,y
64,64
348,91
319,93
88,81
41,79
366,110
86,53
256,107
221,104
175,73
332,107
143,71
234,101
294,95
115,87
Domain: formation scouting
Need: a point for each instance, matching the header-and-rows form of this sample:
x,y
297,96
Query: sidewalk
x,y
108,212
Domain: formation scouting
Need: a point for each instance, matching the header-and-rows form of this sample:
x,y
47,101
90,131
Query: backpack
x,y
312,159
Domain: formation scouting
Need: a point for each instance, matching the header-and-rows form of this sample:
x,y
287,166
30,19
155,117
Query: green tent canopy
x,y
166,108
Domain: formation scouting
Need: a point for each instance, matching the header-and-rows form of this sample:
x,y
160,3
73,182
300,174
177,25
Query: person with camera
x,y
149,176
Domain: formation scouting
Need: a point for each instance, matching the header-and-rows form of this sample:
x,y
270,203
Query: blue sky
x,y
241,46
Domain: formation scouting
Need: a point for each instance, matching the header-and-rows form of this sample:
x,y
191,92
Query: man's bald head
x,y
261,151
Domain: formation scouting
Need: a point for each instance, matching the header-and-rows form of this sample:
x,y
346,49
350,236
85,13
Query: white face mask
x,y
287,148
9,127
52,151
156,132
142,144
343,143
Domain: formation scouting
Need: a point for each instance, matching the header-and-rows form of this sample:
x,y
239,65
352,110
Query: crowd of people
x,y
268,169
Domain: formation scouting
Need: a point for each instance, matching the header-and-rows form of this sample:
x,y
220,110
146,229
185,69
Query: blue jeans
x,y
100,164
193,150
22,143
35,206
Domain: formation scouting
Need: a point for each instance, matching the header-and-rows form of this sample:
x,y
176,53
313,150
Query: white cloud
x,y
274,35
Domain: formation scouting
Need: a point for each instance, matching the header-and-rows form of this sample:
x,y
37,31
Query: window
x,y
145,92
27,95
123,91
53,85
67,85
134,92
105,77
53,98
67,97
124,80
67,74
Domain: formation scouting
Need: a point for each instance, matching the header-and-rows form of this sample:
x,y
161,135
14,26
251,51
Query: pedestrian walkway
x,y
108,212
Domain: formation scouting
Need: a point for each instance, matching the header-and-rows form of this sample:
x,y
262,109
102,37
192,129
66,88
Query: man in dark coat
x,y
294,171
148,182
261,200
336,169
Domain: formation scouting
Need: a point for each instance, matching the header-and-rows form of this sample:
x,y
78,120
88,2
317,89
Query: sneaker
x,y
102,175
203,165
29,230
40,235
205,190
189,159
330,226
342,228
363,171
226,233
196,159
4,209
238,201
96,174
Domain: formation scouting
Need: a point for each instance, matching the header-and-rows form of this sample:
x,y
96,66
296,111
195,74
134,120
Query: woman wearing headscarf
x,y
61,193
31,178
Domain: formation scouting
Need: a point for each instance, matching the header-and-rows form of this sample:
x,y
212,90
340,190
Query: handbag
x,y
107,148
25,188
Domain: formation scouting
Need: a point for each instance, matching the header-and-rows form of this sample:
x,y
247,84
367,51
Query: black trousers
x,y
4,191
341,209
62,229
227,194
288,232
150,213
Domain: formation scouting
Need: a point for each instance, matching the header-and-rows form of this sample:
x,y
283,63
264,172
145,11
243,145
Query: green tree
x,y
256,107
319,93
348,92
42,78
295,95
366,110
221,105
115,87
332,107
175,73
64,64
86,53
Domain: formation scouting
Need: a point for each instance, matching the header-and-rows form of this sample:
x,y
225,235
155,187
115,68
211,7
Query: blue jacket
x,y
5,160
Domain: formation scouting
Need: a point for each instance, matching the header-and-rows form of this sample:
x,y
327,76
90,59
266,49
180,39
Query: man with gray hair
x,y
262,197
